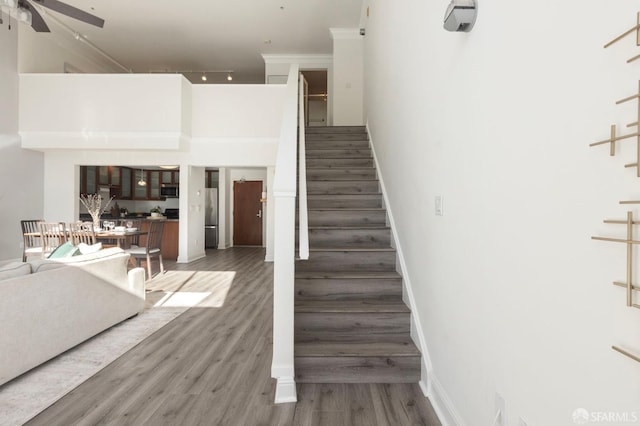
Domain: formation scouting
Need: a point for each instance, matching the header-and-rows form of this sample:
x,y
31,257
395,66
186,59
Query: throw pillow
x,y
87,249
63,250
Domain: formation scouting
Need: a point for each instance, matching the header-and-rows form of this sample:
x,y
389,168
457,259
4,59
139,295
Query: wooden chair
x,y
52,234
31,242
135,223
82,232
152,249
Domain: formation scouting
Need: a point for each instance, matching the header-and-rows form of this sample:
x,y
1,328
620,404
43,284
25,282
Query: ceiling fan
x,y
26,12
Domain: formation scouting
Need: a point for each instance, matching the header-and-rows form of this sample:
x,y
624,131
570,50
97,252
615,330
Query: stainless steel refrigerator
x,y
211,218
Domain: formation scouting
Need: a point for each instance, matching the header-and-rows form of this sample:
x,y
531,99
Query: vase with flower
x,y
93,204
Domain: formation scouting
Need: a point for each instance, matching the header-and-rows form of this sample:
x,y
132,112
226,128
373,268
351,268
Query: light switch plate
x,y
439,205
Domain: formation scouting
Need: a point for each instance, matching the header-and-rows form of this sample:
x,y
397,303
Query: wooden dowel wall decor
x,y
626,353
626,33
629,241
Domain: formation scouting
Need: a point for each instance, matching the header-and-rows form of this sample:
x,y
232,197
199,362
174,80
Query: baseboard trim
x,y
441,403
285,390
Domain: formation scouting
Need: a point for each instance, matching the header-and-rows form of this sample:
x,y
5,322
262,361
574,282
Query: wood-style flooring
x,y
211,366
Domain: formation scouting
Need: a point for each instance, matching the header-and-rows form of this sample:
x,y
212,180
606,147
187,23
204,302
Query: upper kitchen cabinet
x,y
125,186
88,180
92,178
170,177
154,184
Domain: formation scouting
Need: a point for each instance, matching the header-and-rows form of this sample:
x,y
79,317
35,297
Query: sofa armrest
x,y
136,278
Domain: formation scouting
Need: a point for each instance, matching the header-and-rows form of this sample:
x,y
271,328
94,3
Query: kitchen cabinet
x,y
125,183
154,184
170,236
88,180
171,177
92,178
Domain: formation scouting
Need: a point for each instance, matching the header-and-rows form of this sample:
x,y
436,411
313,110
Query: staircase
x,y
351,325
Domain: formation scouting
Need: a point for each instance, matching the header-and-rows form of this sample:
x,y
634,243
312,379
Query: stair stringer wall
x,y
429,384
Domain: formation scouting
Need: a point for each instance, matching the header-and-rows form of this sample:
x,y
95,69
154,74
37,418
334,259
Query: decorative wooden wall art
x,y
629,241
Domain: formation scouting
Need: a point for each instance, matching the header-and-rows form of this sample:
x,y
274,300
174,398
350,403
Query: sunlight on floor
x,y
190,288
181,299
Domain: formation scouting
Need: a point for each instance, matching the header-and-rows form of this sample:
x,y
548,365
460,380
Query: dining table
x,y
123,239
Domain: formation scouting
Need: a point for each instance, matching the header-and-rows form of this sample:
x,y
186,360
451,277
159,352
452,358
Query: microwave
x,y
169,191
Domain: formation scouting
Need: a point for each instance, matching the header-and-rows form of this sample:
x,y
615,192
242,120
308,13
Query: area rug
x,y
168,296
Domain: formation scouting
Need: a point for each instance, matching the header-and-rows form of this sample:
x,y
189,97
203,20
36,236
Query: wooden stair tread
x,y
356,275
352,249
349,209
365,227
393,346
358,306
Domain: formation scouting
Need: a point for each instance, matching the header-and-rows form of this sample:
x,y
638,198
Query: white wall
x,y
58,51
20,169
348,72
512,294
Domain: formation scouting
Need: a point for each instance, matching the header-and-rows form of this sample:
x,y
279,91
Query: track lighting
x,y
229,77
204,77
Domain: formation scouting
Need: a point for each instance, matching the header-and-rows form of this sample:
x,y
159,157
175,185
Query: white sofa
x,y
48,307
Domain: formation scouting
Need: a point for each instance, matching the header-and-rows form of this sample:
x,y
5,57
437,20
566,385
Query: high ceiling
x,y
211,35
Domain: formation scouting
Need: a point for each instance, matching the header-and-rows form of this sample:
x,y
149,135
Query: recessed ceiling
x,y
198,35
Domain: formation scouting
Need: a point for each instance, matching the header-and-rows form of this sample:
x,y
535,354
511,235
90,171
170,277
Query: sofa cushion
x,y
64,250
14,269
41,265
87,249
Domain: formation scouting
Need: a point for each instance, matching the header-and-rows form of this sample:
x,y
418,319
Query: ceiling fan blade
x,y
37,22
71,11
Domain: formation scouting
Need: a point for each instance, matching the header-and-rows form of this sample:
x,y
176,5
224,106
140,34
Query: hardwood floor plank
x,y
211,365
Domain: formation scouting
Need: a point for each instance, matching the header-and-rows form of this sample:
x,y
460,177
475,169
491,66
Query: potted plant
x,y
156,211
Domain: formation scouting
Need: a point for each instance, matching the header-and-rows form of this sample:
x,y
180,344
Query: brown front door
x,y
247,213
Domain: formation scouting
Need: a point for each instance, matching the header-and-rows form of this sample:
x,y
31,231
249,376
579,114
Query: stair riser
x,y
331,324
357,369
338,153
365,201
340,174
335,129
347,218
329,144
329,163
367,261
347,289
343,187
350,238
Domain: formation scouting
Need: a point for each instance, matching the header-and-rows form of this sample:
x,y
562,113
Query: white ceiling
x,y
206,35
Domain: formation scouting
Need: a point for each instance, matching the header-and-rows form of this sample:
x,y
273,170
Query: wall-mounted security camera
x,y
460,15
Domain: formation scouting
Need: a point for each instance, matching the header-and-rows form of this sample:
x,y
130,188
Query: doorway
x,y
247,213
316,98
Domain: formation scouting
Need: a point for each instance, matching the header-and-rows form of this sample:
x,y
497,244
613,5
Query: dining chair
x,y
152,249
31,242
82,232
52,234
135,223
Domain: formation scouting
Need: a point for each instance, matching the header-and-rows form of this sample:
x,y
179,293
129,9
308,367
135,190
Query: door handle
x,y
259,213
